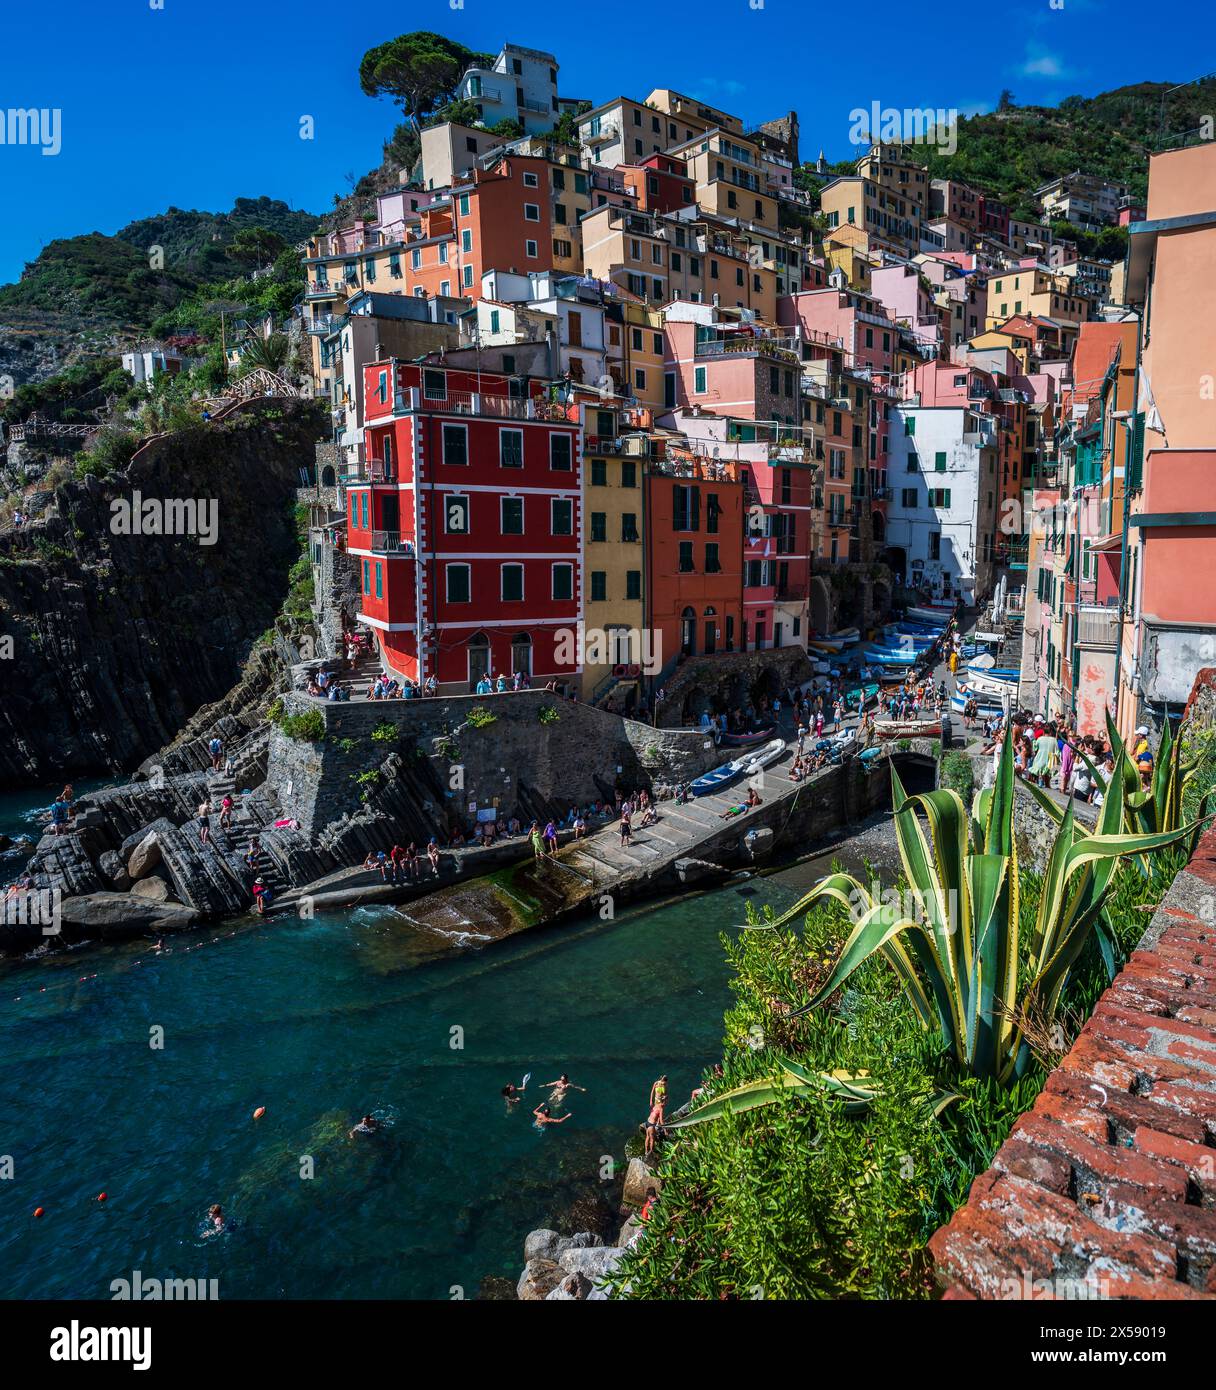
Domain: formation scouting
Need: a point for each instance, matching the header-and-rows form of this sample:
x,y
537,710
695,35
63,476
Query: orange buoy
x,y
259,1112
101,1196
38,1211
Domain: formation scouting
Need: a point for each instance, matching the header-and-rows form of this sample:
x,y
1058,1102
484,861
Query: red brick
x,y
1077,1114
1128,1111
1034,1165
1197,1100
1197,1160
1101,1166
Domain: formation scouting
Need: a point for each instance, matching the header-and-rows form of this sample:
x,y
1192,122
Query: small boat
x,y
828,645
936,617
747,740
987,702
745,766
908,728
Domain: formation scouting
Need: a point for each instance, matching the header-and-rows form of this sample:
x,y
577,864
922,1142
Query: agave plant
x,y
1158,807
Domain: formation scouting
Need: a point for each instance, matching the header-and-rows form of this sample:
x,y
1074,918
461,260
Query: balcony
x,y
475,403
322,324
783,349
1097,626
390,543
323,289
706,470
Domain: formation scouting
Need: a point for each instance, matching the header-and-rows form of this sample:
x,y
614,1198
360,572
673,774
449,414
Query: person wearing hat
x,y
1141,744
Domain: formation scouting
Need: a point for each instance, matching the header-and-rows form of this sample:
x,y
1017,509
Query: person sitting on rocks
x,y
432,853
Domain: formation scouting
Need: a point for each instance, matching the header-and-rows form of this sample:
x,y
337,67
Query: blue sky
x,y
195,102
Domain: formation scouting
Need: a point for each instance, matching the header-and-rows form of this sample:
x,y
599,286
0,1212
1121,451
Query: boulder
x,y
595,1263
584,1240
629,1231
5,843
153,888
542,1245
639,1176
539,1279
111,864
573,1288
117,915
145,856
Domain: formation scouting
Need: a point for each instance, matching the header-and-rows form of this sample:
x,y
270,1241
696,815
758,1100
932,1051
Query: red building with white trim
x,y
467,526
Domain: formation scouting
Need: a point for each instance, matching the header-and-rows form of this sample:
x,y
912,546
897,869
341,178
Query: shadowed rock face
x,y
118,639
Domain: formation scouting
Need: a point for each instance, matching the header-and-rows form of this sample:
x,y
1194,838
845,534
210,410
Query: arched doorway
x,y
688,632
479,658
821,605
521,653
328,478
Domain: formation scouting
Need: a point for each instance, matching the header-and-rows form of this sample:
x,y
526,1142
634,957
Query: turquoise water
x,y
320,1021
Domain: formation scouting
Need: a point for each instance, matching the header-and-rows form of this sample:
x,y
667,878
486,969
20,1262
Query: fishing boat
x,y
996,686
936,617
745,766
987,702
908,728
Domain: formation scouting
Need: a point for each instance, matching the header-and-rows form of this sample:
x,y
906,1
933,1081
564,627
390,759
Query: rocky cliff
x,y
119,632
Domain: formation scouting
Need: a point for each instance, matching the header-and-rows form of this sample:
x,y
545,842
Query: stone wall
x,y
515,762
1106,1188
730,680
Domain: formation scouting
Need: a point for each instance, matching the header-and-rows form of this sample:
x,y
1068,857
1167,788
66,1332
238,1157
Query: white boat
x,y
746,766
908,728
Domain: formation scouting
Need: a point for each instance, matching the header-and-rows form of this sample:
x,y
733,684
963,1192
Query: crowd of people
x,y
404,863
1051,753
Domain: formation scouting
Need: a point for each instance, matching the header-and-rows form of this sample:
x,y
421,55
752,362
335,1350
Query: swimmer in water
x,y
512,1093
215,1218
544,1118
559,1088
367,1125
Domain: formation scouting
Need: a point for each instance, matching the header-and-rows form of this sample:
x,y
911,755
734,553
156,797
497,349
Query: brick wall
x,y
1106,1188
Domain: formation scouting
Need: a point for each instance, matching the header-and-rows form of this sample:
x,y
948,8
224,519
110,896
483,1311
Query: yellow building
x,y
727,170
642,353
848,248
612,552
1020,344
1035,291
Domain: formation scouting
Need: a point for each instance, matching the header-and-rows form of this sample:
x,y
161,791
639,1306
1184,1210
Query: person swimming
x,y
367,1125
215,1220
543,1117
558,1088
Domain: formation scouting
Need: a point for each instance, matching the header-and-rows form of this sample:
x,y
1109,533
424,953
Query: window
x,y
530,250
445,288
698,380
686,508
559,214
939,461
633,584
599,526
435,386
495,321
512,516
712,565
712,511
910,425
562,250
599,473
512,583
560,453
561,516
686,557
935,545
563,582
466,276
466,240
639,378
367,576
363,503
907,497
531,212
629,526
456,515
511,448
629,473
457,578
415,259
599,586
531,181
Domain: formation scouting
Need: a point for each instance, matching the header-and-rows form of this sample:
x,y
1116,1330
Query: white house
x,y
521,86
942,512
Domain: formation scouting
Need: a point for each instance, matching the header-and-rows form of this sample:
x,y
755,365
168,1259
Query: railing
x,y
785,349
476,403
1097,626
322,323
707,470
391,543
323,287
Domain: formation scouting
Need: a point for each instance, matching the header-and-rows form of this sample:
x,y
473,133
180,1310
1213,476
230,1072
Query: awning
x,y
1105,544
989,636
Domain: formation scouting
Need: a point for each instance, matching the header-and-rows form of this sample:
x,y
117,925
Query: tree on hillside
x,y
419,71
256,247
270,353
1005,100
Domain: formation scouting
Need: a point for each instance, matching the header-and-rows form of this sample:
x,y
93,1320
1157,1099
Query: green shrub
x,y
548,714
480,717
958,772
308,727
384,732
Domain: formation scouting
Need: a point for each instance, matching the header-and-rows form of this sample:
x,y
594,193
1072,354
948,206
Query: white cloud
x,y
1042,65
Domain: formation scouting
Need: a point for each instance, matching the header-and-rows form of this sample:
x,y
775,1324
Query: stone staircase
x,y
245,826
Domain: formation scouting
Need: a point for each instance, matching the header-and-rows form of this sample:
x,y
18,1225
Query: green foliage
x,y
348,745
957,947
69,394
308,727
480,717
419,71
256,247
958,773
270,353
110,452
386,733
367,782
565,131
548,714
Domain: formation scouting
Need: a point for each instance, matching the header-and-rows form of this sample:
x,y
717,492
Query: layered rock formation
x,y
118,639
